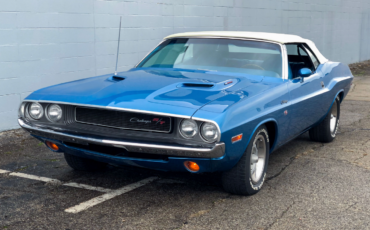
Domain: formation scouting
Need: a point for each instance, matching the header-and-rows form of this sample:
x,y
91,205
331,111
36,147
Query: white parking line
x,y
4,171
50,180
88,187
97,200
108,193
32,177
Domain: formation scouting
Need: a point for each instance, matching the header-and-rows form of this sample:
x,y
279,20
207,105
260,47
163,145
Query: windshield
x,y
223,55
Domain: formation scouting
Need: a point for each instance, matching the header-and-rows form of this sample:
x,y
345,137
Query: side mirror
x,y
305,72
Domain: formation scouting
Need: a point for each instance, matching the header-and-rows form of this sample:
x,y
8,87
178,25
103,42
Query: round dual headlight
x,y
210,132
188,128
21,110
54,113
36,111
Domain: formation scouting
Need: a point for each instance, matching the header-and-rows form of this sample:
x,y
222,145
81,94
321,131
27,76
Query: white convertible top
x,y
280,38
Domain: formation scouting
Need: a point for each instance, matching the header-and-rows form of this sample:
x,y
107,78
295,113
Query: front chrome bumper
x,y
180,151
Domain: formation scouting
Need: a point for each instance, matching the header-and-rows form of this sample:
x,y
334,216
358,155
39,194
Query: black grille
x,y
123,120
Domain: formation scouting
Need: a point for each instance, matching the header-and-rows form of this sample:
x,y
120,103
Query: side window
x,y
313,58
298,58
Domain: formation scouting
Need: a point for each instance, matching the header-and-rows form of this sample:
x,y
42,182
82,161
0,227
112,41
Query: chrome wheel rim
x,y
333,117
258,157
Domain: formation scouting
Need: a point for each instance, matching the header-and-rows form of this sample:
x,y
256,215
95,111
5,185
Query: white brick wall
x,y
45,42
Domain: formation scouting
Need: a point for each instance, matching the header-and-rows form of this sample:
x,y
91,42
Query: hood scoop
x,y
115,78
210,86
197,85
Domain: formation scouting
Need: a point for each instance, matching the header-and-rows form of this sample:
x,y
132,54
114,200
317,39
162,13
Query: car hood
x,y
158,90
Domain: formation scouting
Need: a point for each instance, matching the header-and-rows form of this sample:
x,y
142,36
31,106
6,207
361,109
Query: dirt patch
x,y
360,68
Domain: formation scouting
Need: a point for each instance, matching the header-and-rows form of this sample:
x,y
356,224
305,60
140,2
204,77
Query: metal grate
x,y
123,119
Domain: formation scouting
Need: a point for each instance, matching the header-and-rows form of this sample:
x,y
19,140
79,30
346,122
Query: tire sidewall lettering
x,y
259,185
337,125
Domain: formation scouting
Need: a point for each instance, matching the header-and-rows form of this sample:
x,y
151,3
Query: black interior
x,y
297,62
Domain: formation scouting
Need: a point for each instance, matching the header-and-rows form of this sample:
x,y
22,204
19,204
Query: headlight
x,y
210,132
21,110
188,128
36,111
54,113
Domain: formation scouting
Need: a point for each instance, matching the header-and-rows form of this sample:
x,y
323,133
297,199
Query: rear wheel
x,y
83,164
248,175
326,131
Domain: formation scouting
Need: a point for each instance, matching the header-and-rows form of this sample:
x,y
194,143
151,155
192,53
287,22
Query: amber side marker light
x,y
191,166
52,145
236,138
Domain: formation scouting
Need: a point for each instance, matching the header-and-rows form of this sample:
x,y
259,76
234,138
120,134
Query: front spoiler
x,y
172,150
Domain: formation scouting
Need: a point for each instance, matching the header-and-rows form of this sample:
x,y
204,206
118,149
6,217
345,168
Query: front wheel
x,y
327,129
248,175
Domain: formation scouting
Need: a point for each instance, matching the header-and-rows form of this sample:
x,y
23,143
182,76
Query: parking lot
x,y
309,186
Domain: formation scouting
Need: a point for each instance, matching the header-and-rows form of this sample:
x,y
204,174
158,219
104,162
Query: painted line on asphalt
x,y
33,177
50,180
88,187
107,196
4,171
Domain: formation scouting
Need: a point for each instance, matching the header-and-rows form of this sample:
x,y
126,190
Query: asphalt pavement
x,y
309,185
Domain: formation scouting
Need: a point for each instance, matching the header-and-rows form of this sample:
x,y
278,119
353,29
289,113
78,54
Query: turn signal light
x,y
237,138
52,145
191,166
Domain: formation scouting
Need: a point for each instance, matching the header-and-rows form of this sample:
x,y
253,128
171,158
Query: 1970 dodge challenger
x,y
199,102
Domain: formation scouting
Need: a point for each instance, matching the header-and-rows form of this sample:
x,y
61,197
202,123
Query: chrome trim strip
x,y
130,110
285,62
225,37
110,107
155,131
217,151
149,53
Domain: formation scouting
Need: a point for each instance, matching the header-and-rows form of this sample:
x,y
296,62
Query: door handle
x,y
322,85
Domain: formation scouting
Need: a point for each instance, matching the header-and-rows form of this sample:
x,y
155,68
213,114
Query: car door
x,y
305,101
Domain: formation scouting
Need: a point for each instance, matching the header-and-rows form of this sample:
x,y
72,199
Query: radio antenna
x,y
119,38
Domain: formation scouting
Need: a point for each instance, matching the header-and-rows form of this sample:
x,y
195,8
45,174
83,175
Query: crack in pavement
x,y
342,161
281,216
292,160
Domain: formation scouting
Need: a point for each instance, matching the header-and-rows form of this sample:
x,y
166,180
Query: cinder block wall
x,y
45,42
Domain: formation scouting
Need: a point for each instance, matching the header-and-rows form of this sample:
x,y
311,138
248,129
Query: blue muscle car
x,y
199,102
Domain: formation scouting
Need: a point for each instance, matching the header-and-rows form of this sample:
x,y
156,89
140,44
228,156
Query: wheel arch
x,y
272,130
341,95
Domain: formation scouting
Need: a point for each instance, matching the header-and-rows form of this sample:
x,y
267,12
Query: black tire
x,y
323,132
83,164
239,179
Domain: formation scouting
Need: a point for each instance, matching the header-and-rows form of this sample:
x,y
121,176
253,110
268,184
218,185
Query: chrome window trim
x,y
149,53
285,61
130,110
282,47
